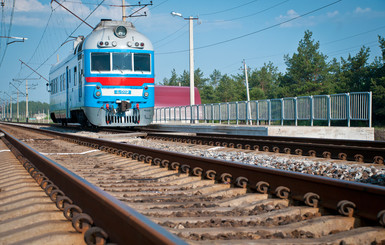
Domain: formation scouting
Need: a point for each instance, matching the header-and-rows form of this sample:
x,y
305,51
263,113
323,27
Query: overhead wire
x,y
254,32
68,36
229,9
171,34
249,15
9,32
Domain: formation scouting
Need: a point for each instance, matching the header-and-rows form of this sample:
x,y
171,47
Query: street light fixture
x,y
190,19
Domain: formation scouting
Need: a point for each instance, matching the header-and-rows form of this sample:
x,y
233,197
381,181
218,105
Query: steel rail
x,y
367,201
354,151
122,223
366,143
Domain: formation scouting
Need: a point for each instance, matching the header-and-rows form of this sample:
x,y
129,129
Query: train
x,y
107,80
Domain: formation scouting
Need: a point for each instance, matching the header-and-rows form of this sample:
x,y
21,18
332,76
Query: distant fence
x,y
347,106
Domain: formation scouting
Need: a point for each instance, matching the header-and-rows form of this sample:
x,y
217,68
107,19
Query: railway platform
x,y
353,133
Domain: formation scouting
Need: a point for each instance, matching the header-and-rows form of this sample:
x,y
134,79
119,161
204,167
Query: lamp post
x,y
190,19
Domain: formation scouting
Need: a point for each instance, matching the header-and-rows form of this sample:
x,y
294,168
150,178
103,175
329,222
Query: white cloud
x,y
360,10
30,6
290,14
332,14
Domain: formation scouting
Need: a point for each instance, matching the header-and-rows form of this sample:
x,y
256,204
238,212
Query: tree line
x,y
308,72
34,107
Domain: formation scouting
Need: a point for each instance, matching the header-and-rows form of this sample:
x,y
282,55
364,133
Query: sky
x,y
225,34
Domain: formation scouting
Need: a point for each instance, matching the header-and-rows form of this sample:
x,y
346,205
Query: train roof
x,y
170,96
105,31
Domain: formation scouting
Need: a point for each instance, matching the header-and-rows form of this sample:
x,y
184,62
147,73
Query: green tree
x,y
263,82
355,72
173,81
377,85
307,70
229,89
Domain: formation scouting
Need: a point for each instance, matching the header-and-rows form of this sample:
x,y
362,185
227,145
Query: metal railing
x,y
336,107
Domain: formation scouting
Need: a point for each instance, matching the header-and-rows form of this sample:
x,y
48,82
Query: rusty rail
x,y
122,224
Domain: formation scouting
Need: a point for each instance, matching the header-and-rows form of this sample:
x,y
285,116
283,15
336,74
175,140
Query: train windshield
x,y
120,62
100,62
142,62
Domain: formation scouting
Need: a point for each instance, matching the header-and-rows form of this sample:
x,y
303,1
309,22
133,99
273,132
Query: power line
x,y
245,16
229,9
9,31
254,32
356,35
169,35
67,38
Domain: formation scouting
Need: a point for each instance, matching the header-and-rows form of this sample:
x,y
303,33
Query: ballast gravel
x,y
366,173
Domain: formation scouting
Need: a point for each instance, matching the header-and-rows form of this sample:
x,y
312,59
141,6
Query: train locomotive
x,y
108,80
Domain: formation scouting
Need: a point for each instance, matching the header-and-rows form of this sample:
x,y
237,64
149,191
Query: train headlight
x,y
98,93
121,31
146,94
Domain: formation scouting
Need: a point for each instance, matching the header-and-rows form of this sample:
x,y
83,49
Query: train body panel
x,y
107,81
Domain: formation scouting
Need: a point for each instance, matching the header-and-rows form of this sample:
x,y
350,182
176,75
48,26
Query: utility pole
x,y
191,51
10,107
248,93
26,101
26,94
18,91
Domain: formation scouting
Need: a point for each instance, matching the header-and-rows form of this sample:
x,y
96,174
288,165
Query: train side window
x,y
142,62
61,82
69,79
100,62
75,76
64,82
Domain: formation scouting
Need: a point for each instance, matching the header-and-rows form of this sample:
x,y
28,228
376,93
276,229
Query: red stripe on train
x,y
120,81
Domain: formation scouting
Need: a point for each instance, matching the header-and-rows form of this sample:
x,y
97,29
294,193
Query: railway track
x,y
362,151
351,150
205,200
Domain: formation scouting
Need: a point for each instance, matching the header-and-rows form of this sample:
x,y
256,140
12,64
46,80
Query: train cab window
x,y
121,62
75,76
142,62
100,62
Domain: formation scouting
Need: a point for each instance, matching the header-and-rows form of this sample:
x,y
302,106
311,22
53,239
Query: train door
x,y
67,81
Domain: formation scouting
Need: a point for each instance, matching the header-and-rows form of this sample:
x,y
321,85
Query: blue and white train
x,y
108,80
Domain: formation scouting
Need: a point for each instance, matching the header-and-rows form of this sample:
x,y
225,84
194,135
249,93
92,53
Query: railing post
x,y
329,110
236,111
348,108
197,106
370,109
282,111
228,112
311,110
269,110
175,114
204,113
257,111
295,111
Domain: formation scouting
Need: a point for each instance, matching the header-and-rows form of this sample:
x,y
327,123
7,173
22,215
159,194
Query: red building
x,y
171,96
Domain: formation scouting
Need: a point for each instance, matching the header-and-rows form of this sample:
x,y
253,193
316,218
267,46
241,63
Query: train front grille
x,y
117,119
